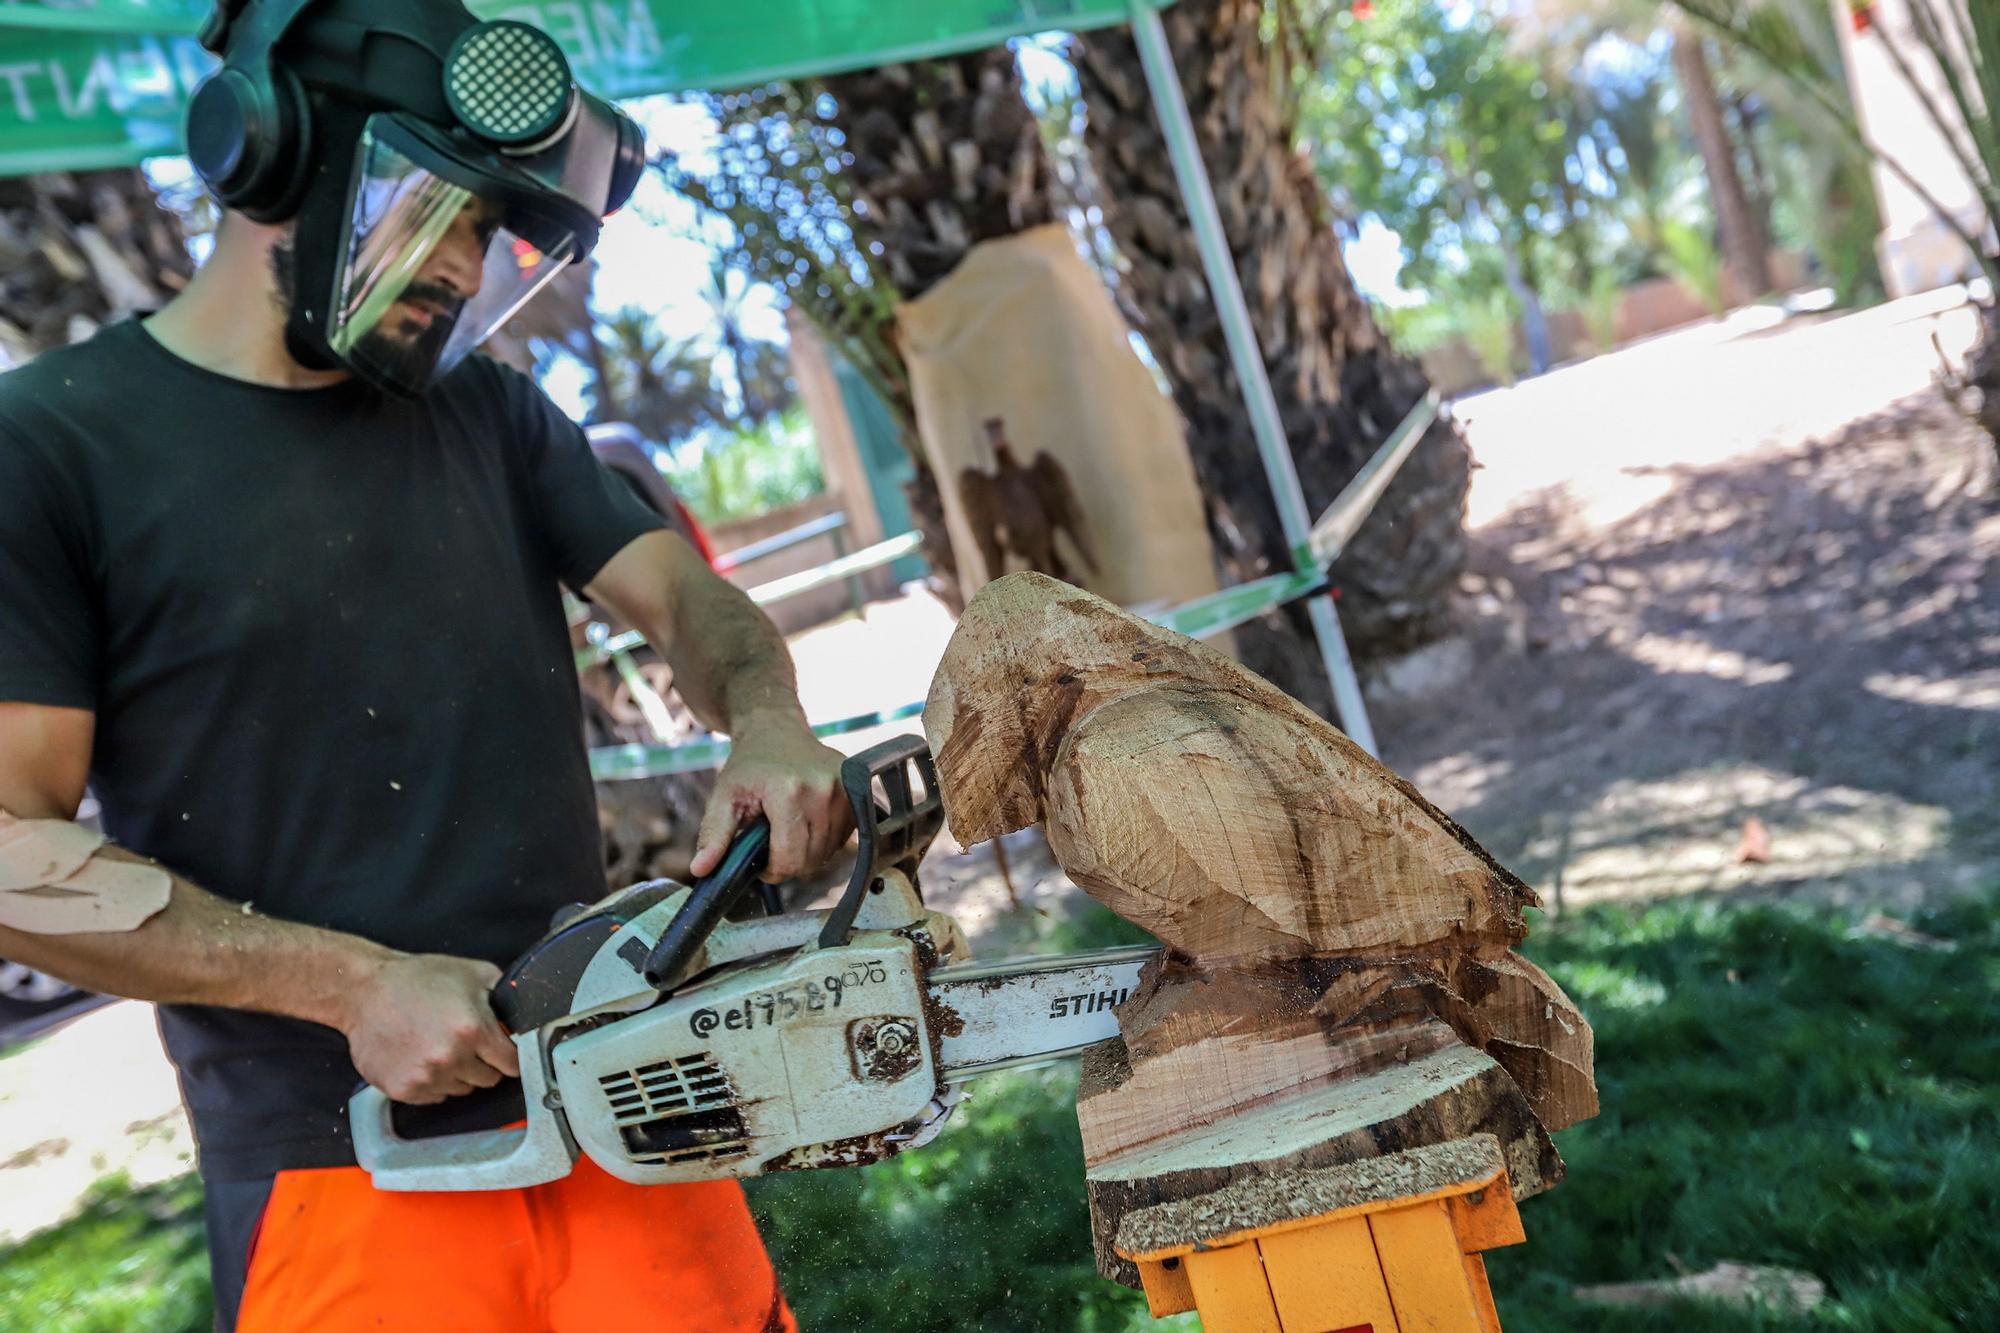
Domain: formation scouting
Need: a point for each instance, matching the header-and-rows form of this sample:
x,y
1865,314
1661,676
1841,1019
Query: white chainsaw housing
x,y
767,1067
720,1078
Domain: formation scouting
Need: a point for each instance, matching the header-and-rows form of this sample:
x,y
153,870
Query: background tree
x,y
758,368
664,386
1340,387
869,188
1745,245
854,192
79,249
1957,41
1426,116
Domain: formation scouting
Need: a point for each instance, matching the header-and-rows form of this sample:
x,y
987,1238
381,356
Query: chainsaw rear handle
x,y
707,903
496,1159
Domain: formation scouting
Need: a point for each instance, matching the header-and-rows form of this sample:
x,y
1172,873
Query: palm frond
x,y
1763,29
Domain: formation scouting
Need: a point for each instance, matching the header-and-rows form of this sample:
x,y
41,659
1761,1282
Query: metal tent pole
x,y
1185,150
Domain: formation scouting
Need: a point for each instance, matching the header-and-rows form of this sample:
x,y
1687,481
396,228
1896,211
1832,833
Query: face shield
x,y
416,246
435,257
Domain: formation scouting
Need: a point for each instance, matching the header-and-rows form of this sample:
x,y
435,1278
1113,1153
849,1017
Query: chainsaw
x,y
670,1043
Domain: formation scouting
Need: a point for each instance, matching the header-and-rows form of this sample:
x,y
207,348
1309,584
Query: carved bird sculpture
x,y
1254,839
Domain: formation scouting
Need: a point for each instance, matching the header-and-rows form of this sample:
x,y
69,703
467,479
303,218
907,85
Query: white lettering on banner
x,y
599,35
129,76
17,76
144,74
635,38
79,102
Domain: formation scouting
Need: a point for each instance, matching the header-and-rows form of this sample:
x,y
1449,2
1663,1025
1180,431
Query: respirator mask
x,y
441,170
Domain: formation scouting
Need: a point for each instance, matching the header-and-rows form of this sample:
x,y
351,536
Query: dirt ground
x,y
1747,570
1803,630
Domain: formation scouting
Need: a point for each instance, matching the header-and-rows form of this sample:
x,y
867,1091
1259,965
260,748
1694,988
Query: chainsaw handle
x,y
894,837
536,1153
707,903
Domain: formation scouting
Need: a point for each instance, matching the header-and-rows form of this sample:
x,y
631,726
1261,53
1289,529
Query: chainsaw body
x,y
671,1044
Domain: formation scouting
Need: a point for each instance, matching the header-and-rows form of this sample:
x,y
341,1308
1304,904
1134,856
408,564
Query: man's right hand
x,y
421,1028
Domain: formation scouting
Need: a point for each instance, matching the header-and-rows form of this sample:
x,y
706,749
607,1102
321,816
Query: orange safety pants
x,y
330,1253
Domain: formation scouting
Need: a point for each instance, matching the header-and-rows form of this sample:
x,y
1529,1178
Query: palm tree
x,y
1957,42
664,387
1744,244
727,296
1340,387
894,174
854,192
79,249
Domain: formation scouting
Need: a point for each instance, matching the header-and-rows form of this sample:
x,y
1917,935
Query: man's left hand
x,y
784,773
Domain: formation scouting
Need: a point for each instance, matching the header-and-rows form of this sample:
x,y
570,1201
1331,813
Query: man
x,y
280,572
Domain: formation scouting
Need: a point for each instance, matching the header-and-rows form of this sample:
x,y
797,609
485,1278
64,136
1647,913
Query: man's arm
x,y
731,666
419,1026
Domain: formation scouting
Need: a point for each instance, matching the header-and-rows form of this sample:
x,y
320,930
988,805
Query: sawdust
x,y
1293,1195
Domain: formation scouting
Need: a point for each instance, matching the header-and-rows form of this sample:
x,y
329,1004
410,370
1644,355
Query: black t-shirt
x,y
323,637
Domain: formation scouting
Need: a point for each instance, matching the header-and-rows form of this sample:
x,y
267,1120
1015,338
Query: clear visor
x,y
428,270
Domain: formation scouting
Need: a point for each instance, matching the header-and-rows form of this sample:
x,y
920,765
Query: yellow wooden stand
x,y
1403,1265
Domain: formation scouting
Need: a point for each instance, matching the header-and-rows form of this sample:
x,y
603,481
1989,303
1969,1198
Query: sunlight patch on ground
x,y
1681,835
1976,690
1459,781
1600,429
92,1098
1686,654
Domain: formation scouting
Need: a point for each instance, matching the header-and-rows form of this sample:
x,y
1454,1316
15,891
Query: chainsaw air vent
x,y
676,1111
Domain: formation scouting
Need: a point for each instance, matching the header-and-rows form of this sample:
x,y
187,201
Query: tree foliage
x,y
1958,41
777,181
1424,115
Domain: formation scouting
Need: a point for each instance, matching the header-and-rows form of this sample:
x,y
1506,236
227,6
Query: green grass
x,y
132,1261
1775,1089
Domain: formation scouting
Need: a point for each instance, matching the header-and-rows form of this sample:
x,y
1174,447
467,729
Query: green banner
x,y
97,83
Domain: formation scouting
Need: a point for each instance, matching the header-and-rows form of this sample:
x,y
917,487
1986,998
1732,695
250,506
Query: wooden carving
x,y
1339,980
1021,511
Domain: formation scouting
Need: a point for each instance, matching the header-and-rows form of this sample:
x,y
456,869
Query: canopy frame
x,y
155,33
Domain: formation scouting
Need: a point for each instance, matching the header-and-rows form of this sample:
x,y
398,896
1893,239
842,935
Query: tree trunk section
x,y
78,250
1339,978
1339,386
1744,247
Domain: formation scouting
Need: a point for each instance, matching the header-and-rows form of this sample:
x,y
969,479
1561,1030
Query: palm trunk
x,y
945,155
79,249
1340,388
1982,371
1743,245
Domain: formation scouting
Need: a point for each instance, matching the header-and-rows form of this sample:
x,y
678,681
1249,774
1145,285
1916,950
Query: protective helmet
x,y
441,169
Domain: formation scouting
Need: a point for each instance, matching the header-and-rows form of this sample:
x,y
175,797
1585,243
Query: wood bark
x,y
1338,979
1340,387
1744,246
78,250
